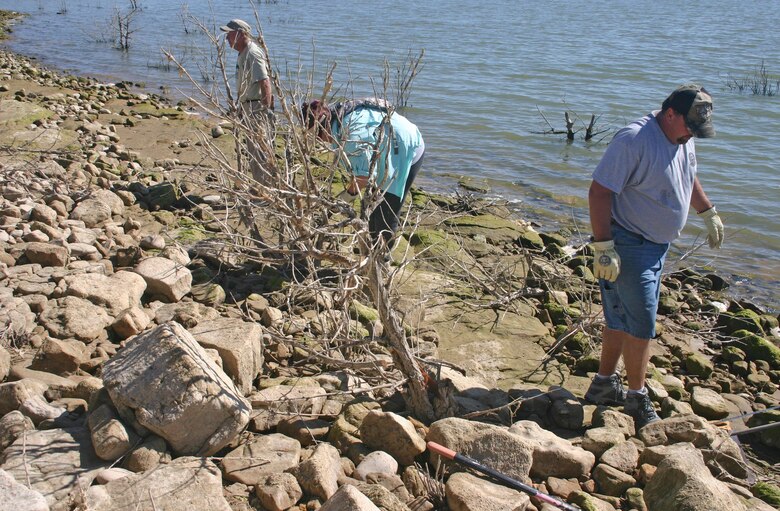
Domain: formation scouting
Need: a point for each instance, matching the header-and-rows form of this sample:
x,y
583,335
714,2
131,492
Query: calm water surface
x,y
491,71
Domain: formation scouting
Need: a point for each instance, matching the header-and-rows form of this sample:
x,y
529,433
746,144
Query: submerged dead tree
x,y
294,223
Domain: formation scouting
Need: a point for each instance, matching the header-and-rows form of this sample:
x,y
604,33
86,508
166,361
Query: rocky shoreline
x,y
141,370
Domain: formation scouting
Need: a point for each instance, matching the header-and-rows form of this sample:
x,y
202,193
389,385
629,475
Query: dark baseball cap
x,y
695,103
236,25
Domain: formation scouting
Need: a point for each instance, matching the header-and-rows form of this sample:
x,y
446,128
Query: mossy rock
x,y
668,305
559,313
768,492
697,364
162,195
768,322
769,437
579,342
585,273
745,319
758,348
530,240
435,244
553,238
494,228
580,260
209,293
363,313
474,185
584,501
587,364
731,354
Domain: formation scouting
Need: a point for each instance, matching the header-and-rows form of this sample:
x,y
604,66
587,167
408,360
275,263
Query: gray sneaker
x,y
609,392
641,409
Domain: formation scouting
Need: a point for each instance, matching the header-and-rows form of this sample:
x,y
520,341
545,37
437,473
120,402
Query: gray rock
x,y
116,292
130,322
13,394
12,425
5,363
18,497
261,456
16,315
164,380
376,462
278,492
553,456
393,434
165,278
612,481
276,403
110,437
680,428
47,254
348,498
683,482
240,346
319,474
62,458
92,212
466,492
599,440
709,404
185,484
623,456
491,445
72,317
148,455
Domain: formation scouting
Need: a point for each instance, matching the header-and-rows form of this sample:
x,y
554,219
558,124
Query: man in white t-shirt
x,y
254,94
639,200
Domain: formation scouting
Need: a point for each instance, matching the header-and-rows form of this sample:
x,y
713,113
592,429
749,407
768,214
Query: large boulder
x,y
554,456
166,382
239,344
682,482
185,484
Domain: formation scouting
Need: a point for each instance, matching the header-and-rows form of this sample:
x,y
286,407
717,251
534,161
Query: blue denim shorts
x,y
631,302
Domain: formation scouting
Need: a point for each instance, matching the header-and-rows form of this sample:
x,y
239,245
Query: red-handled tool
x,y
530,490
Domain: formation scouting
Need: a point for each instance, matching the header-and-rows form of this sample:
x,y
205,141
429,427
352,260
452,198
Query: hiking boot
x,y
606,392
641,409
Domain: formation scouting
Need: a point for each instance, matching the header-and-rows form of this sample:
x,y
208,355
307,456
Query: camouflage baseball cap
x,y
695,103
236,25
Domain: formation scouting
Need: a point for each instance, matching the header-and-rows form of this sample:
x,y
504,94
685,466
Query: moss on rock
x,y
745,319
758,348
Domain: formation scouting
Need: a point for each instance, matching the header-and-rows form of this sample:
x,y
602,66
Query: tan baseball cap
x,y
695,103
236,25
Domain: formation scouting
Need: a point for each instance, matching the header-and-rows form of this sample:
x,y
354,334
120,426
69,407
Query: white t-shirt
x,y
652,180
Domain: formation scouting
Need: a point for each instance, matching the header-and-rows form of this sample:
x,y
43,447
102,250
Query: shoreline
x,y
115,155
747,285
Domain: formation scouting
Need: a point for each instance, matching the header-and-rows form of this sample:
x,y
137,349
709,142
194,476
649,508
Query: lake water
x,y
491,71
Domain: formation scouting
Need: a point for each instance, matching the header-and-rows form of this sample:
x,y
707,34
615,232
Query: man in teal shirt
x,y
376,145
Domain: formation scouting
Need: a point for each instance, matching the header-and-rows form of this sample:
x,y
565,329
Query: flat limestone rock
x,y
53,461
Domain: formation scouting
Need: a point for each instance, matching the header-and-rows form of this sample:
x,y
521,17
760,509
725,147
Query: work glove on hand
x,y
714,227
606,262
346,196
